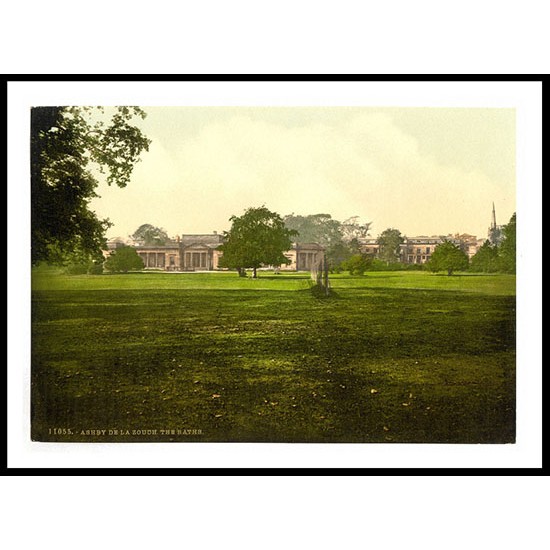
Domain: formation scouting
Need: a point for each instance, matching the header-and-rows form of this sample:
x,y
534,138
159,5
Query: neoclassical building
x,y
304,256
201,253
186,253
419,250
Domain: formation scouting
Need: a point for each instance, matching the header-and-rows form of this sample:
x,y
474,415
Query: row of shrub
x,y
359,264
84,268
121,260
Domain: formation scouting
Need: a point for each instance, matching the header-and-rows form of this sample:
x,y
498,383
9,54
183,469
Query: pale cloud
x,y
365,164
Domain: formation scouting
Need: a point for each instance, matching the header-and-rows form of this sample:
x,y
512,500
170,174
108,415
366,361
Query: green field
x,y
390,357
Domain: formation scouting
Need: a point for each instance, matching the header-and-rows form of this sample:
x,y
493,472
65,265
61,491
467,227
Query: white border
x,y
525,97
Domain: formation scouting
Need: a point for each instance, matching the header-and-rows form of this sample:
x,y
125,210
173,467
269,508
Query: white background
x,y
314,512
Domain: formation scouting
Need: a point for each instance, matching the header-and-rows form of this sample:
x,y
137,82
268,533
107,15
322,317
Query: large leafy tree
x,y
123,259
352,230
340,239
258,237
507,248
149,235
67,145
485,259
390,240
448,257
315,228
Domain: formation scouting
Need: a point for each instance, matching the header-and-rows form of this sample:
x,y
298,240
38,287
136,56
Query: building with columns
x,y
201,253
186,253
304,256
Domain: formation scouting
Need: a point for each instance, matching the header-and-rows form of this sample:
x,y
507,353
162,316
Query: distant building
x,y
201,253
419,250
304,256
186,253
113,244
369,247
165,257
469,244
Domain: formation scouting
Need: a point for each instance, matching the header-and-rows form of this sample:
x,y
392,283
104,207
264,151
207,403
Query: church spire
x,y
494,233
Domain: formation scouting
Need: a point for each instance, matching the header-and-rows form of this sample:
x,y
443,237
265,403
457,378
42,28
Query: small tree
x,y
357,264
336,255
124,259
390,241
258,237
448,257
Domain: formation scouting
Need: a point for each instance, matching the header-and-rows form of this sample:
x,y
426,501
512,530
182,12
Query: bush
x,y
379,265
356,265
83,267
415,267
77,269
124,259
96,268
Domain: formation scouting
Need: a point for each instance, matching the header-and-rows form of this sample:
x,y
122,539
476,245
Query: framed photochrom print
x,y
264,272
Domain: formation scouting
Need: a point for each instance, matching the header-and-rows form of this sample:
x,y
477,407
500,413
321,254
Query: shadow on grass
x,y
283,277
318,292
467,274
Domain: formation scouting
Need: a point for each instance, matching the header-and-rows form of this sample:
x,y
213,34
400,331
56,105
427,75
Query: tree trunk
x,y
449,272
242,272
255,274
325,276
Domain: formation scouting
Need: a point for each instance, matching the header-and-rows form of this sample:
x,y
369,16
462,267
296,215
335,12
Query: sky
x,y
424,171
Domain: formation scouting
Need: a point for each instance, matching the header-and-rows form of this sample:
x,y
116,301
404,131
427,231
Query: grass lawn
x,y
390,357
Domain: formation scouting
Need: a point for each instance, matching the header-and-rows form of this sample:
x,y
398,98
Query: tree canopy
x,y
67,143
149,235
448,257
486,259
507,248
340,239
390,240
315,228
123,259
352,230
258,237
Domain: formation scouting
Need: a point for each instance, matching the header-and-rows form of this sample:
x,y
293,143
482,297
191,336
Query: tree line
x,y
345,253
260,237
498,257
68,144
448,256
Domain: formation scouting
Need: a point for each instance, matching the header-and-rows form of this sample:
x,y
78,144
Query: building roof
x,y
212,240
168,246
424,239
307,246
